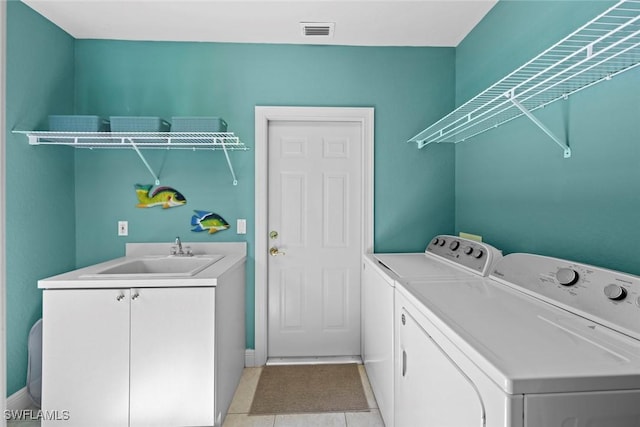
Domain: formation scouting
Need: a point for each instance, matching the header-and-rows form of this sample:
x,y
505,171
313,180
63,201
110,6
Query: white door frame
x,y
264,115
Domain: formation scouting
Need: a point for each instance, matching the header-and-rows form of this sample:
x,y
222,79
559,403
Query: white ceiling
x,y
357,22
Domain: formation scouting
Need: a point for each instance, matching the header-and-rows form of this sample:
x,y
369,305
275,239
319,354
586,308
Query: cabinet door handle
x,y
135,296
120,297
404,363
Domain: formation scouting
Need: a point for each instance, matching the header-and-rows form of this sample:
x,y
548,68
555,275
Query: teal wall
x,y
406,86
513,185
63,204
510,185
40,216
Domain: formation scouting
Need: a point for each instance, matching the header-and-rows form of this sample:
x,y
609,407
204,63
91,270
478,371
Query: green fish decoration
x,y
213,222
166,197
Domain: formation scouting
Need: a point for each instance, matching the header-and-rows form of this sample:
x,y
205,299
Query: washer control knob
x,y
478,254
442,242
567,276
468,250
615,292
454,245
435,241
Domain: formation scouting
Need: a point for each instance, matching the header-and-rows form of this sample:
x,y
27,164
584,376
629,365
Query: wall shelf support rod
x,y
537,122
226,155
144,160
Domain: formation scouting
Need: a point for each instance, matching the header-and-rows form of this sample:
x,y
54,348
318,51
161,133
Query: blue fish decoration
x,y
210,221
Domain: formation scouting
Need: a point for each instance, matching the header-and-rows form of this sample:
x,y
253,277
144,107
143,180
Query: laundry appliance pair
x,y
478,339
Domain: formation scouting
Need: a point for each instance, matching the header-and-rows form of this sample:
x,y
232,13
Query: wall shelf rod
x,y
537,122
144,160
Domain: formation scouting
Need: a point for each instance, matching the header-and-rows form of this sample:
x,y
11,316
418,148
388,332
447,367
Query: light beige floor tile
x,y
243,396
371,400
244,420
28,420
311,420
364,419
23,423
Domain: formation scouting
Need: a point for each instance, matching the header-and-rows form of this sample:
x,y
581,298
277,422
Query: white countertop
x,y
233,254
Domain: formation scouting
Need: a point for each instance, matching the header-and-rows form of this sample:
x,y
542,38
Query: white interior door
x,y
315,207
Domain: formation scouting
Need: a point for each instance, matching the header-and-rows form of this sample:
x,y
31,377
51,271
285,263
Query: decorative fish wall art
x,y
208,221
166,197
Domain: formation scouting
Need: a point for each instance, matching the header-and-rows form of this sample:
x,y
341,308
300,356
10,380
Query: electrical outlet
x,y
123,228
241,226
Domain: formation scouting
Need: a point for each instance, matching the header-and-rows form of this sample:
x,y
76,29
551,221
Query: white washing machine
x,y
445,258
542,342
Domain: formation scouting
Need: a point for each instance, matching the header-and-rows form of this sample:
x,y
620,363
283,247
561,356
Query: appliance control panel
x,y
476,256
608,297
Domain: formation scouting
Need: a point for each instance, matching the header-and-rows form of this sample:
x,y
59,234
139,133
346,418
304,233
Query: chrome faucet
x,y
177,249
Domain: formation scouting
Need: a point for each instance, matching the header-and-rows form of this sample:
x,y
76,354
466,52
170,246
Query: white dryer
x,y
445,258
542,342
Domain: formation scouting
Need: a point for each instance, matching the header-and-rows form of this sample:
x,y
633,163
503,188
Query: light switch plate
x,y
241,226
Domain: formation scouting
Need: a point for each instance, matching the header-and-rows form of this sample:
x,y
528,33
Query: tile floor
x,y
239,409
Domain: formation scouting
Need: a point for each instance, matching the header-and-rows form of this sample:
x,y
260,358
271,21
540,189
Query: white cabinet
x,y
144,351
138,357
430,389
377,335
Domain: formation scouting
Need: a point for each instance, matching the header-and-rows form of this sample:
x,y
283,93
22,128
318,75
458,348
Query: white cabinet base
x,y
137,357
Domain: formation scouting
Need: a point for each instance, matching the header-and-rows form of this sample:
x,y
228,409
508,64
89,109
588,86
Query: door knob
x,y
273,251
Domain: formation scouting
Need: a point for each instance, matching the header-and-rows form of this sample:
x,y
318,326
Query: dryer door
x,y
430,389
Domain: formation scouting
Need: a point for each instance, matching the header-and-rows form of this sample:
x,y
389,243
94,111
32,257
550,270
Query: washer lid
x,y
419,266
525,345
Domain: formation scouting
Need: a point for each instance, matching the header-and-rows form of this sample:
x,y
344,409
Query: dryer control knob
x,y
435,241
478,254
468,250
454,245
442,242
615,292
567,276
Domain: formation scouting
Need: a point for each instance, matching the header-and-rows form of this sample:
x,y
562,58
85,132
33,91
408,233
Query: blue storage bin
x,y
138,124
198,124
78,123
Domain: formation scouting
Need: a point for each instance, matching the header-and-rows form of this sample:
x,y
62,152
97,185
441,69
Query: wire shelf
x,y
143,140
224,141
602,48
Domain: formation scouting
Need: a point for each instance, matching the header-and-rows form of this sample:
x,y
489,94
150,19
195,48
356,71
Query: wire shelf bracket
x,y
537,122
598,51
139,141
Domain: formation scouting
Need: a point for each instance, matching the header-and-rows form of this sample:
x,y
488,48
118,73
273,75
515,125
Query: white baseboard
x,y
19,400
249,358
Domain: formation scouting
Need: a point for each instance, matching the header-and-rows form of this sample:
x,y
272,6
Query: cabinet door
x,y
430,389
172,358
85,364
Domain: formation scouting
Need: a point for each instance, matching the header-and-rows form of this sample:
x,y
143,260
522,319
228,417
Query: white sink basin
x,y
149,267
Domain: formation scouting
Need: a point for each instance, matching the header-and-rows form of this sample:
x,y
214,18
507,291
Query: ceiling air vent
x,y
317,29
